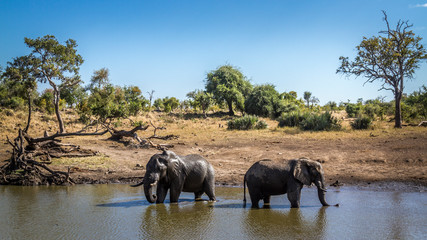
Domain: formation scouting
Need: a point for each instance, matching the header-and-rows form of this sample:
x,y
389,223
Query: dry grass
x,y
347,155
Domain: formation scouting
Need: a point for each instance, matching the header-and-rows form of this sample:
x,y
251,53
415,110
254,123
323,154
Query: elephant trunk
x,y
148,190
321,192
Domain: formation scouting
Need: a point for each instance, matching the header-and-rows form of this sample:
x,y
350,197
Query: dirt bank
x,y
349,157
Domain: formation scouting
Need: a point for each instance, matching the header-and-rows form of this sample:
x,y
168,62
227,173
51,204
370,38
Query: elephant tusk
x,y
323,189
153,184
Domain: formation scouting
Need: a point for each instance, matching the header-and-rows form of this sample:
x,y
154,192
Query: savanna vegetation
x,y
100,107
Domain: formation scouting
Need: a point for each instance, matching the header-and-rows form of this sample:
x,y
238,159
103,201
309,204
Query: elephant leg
x,y
294,196
255,197
266,200
175,191
198,195
162,191
209,189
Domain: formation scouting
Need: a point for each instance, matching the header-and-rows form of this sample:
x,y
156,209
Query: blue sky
x,y
170,46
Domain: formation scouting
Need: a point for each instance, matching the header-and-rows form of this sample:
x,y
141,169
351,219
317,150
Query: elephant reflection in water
x,y
290,224
176,221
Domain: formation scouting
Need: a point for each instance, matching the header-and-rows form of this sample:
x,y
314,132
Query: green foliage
x,y
291,119
262,100
201,100
229,85
45,102
56,64
109,102
100,78
18,83
166,104
389,58
362,122
247,122
73,95
415,105
286,106
353,109
309,121
135,101
322,122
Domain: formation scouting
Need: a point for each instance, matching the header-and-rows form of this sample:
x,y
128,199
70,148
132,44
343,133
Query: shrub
x,y
291,119
246,123
353,110
322,122
362,122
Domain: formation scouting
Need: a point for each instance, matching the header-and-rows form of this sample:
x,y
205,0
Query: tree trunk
x,y
29,112
58,115
230,108
398,111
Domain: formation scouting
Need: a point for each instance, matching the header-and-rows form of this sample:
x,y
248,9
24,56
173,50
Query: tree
x,y
100,78
150,98
307,98
261,100
201,99
390,58
22,76
56,64
228,84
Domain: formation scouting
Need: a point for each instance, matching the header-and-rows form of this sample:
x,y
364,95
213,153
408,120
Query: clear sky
x,y
170,46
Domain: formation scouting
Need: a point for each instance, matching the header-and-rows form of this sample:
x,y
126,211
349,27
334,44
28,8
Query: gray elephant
x,y
191,173
266,177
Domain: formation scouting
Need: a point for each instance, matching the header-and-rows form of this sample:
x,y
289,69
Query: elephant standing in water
x,y
267,177
191,173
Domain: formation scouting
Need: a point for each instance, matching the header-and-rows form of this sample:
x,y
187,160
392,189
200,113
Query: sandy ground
x,y
362,158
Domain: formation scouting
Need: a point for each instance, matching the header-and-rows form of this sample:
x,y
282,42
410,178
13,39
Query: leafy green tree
x,y
22,83
73,95
45,102
390,58
56,64
292,96
229,85
170,104
158,104
100,78
307,98
105,103
201,99
261,100
134,99
417,104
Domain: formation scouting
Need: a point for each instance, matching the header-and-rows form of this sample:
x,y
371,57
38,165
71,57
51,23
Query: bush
x,y
291,119
16,103
362,122
353,110
246,123
321,122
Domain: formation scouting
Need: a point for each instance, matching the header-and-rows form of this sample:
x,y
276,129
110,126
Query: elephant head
x,y
308,172
161,168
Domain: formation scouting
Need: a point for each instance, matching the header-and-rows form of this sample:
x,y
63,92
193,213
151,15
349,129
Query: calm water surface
x,y
121,212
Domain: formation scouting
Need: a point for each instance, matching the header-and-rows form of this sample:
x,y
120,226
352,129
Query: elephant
x,y
267,177
190,173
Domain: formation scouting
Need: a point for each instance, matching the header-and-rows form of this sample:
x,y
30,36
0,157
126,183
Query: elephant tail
x,y
244,191
138,184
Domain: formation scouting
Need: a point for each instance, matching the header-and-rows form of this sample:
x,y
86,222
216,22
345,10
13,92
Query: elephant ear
x,y
174,165
301,172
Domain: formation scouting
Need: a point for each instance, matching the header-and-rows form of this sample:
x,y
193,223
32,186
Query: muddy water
x,y
121,212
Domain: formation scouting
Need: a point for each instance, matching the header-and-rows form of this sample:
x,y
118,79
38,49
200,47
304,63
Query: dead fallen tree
x,y
22,169
120,135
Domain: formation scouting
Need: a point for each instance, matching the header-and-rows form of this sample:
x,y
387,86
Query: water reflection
x,y
121,212
185,220
289,223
